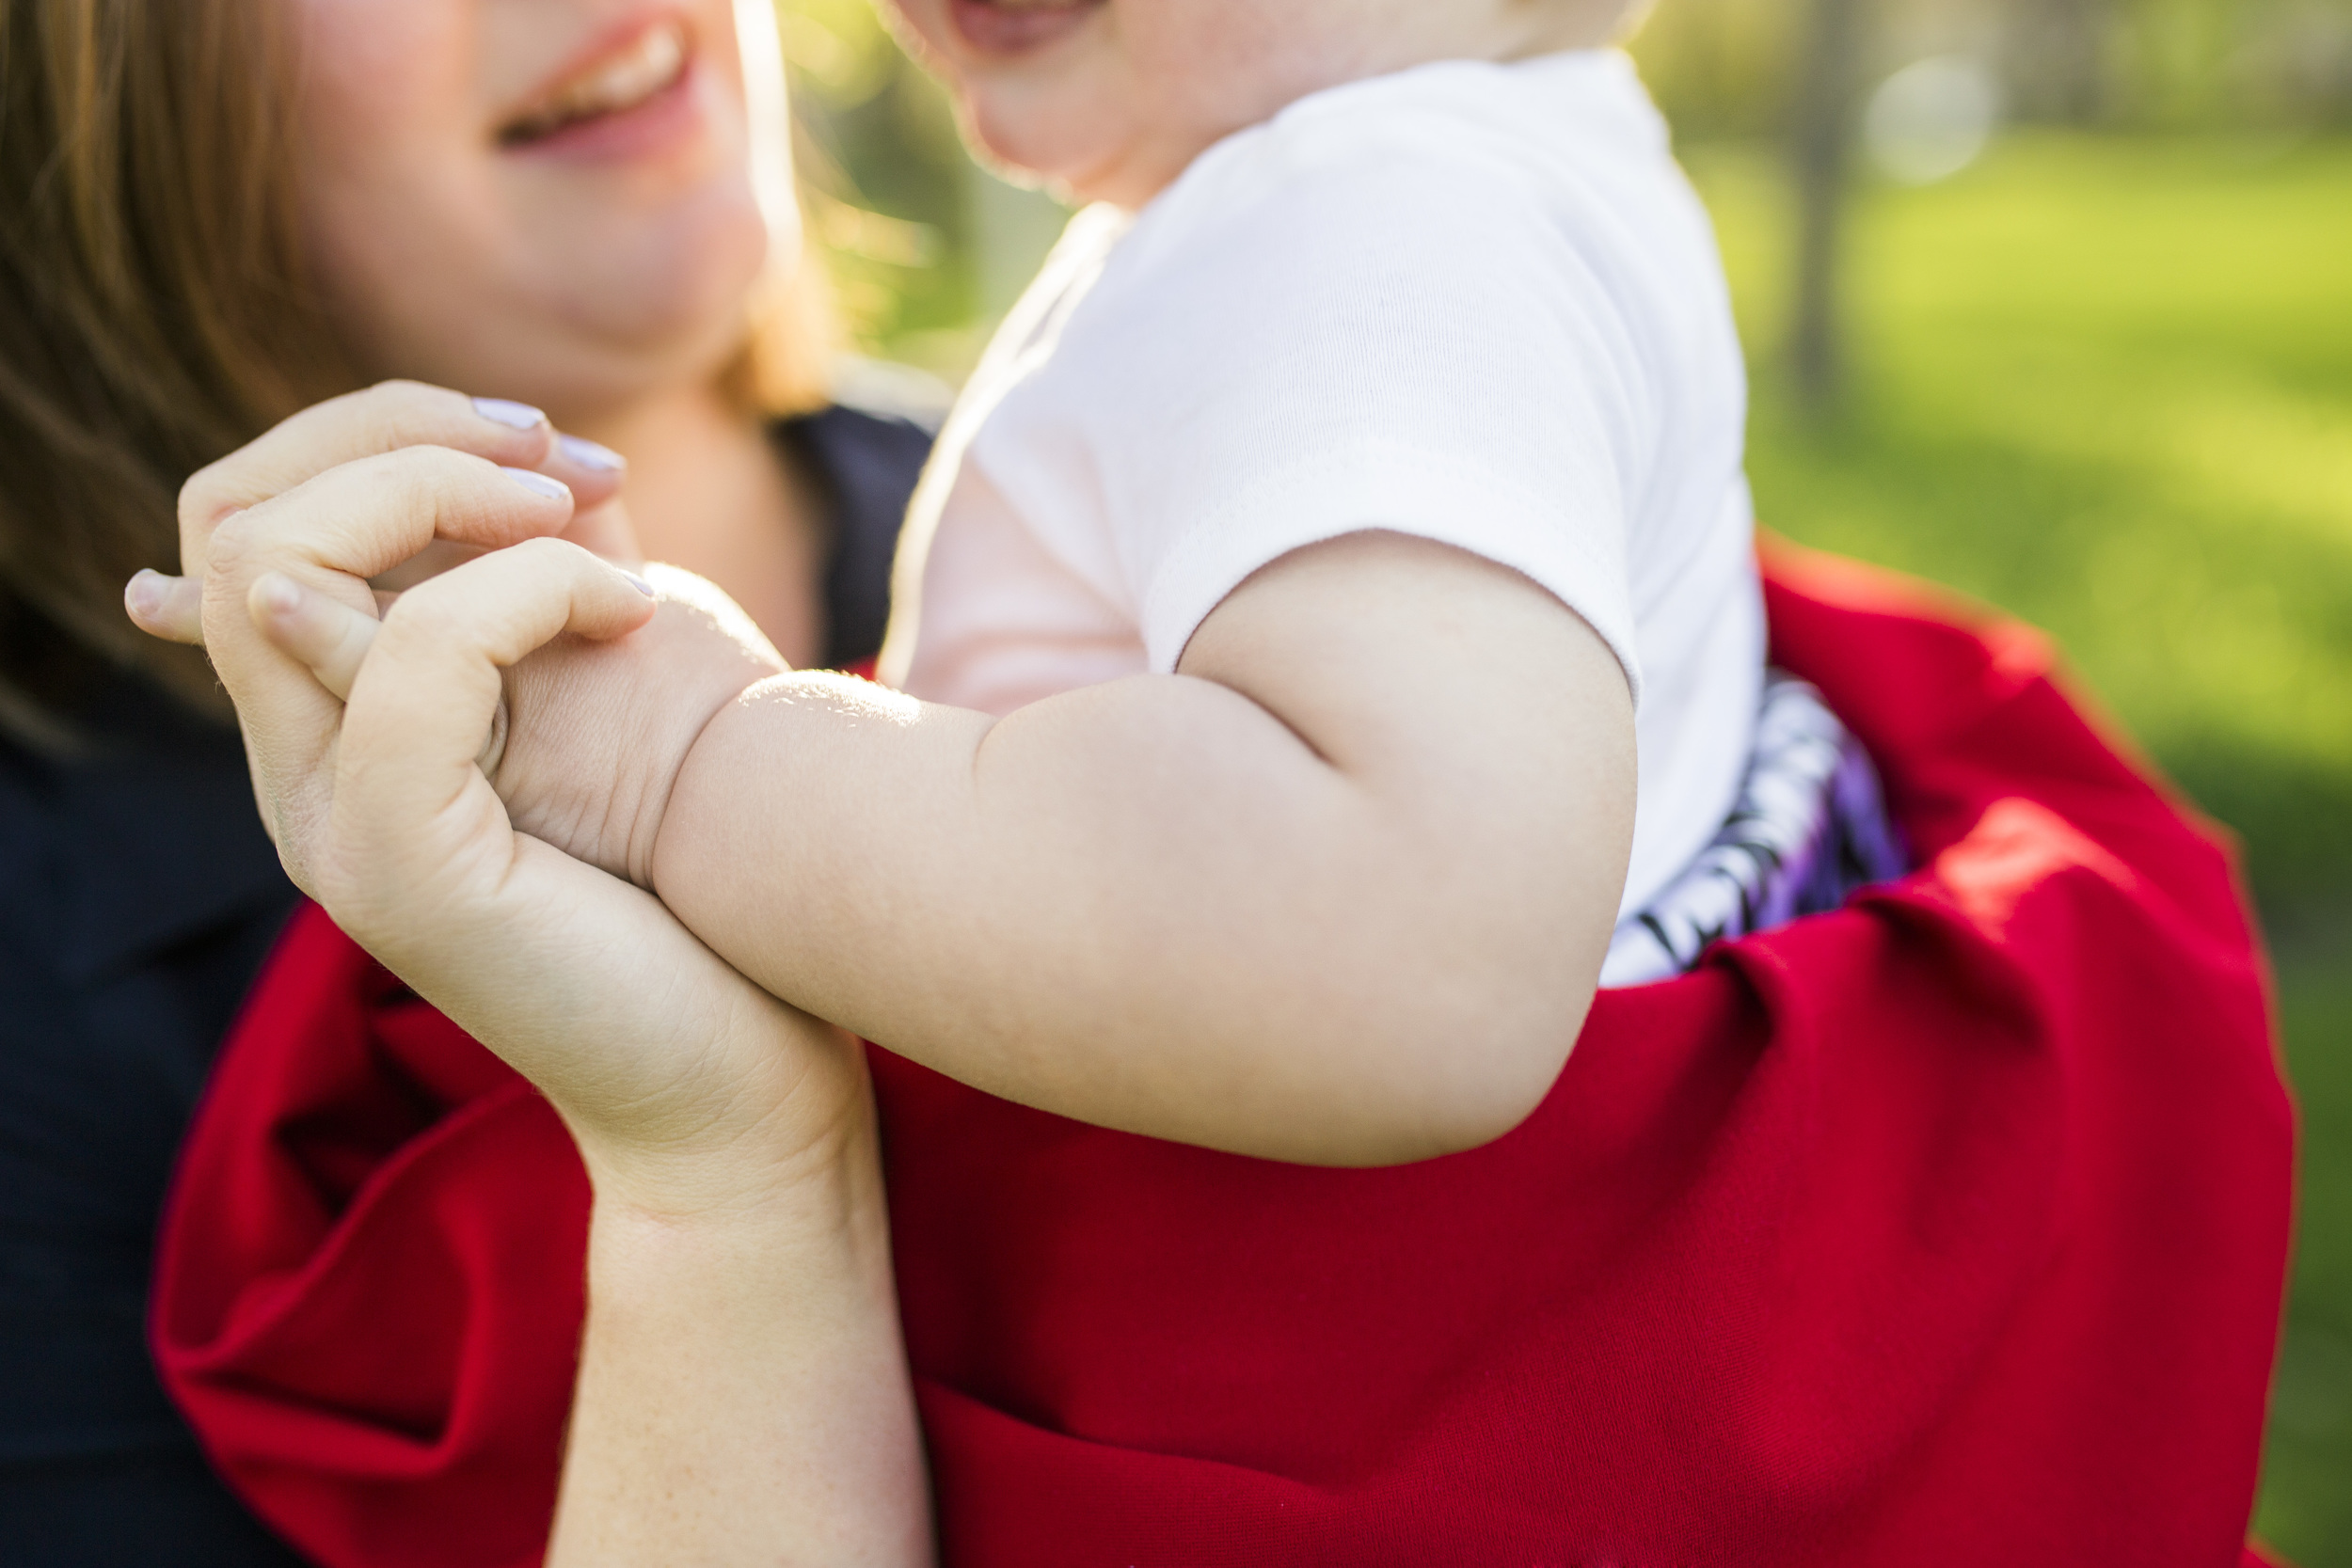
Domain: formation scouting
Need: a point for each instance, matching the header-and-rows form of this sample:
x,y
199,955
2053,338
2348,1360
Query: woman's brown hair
x,y
155,314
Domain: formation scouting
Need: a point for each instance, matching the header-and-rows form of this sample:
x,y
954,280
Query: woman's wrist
x,y
743,1385
779,1173
820,1235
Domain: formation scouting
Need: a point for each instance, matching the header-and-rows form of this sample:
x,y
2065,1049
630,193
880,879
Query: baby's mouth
x,y
626,79
1009,26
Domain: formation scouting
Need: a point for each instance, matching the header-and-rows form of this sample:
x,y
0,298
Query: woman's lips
x,y
646,72
1015,27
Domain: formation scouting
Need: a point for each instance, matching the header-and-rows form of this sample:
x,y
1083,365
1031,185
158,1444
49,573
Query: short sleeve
x,y
1332,328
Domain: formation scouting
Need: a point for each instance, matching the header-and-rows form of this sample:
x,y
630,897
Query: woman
x,y
578,206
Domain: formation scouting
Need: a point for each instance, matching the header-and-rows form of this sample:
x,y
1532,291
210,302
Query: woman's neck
x,y
710,491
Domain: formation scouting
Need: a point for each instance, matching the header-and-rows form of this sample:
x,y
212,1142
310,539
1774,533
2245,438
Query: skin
x,y
1111,100
1336,891
742,1338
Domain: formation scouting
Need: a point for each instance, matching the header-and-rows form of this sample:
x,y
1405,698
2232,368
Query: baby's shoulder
x,y
1560,119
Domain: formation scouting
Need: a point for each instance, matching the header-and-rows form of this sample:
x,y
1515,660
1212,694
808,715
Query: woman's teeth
x,y
616,83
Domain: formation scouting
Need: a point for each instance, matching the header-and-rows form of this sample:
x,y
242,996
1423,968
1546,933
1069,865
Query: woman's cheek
x,y
376,76
387,115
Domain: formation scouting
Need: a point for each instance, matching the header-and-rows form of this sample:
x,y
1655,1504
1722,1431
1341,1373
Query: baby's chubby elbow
x,y
1461,1076
1505,1075
1466,993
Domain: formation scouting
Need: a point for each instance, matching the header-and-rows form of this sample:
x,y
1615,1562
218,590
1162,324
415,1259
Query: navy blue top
x,y
138,898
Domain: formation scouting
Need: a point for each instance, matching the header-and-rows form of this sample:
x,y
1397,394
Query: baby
x,y
1346,519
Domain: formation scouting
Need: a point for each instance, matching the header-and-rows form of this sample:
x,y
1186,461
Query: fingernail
x,y
638,584
280,595
144,594
514,416
539,484
589,455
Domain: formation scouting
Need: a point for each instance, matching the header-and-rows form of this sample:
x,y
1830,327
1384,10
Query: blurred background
x,y
2048,300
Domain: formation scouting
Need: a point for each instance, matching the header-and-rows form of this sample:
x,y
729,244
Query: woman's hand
x,y
600,727
387,416
743,1391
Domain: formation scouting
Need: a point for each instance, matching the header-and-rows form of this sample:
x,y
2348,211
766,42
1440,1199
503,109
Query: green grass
x,y
2307,1496
2106,385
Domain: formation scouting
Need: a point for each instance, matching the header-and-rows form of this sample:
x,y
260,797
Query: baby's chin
x,y
1084,142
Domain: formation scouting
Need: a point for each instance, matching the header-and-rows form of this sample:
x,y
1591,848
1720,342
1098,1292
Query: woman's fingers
x,y
594,472
427,692
365,432
328,636
166,606
171,608
367,516
330,534
385,419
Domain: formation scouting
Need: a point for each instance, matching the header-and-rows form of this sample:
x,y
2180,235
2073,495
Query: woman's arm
x,y
743,1393
744,1396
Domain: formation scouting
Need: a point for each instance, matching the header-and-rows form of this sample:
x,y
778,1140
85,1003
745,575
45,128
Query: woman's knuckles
x,y
395,415
387,418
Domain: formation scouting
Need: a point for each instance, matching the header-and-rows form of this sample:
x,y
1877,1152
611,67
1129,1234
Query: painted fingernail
x,y
143,596
638,584
591,455
539,484
514,416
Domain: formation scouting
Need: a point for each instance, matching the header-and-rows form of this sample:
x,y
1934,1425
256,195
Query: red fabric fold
x,y
1949,1229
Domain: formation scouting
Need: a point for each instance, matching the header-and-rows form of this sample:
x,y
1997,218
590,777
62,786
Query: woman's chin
x,y
681,274
624,314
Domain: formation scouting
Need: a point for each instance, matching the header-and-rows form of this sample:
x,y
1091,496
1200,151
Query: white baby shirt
x,y
1474,303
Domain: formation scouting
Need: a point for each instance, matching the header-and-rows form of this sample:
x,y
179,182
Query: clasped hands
x,y
469,773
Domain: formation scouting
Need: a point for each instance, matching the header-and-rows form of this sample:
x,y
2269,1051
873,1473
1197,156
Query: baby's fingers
x,y
324,634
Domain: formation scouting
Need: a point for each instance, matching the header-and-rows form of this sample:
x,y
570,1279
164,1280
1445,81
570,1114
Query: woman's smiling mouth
x,y
615,83
1012,26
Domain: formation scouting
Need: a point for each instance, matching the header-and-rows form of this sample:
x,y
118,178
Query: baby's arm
x,y
1336,892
